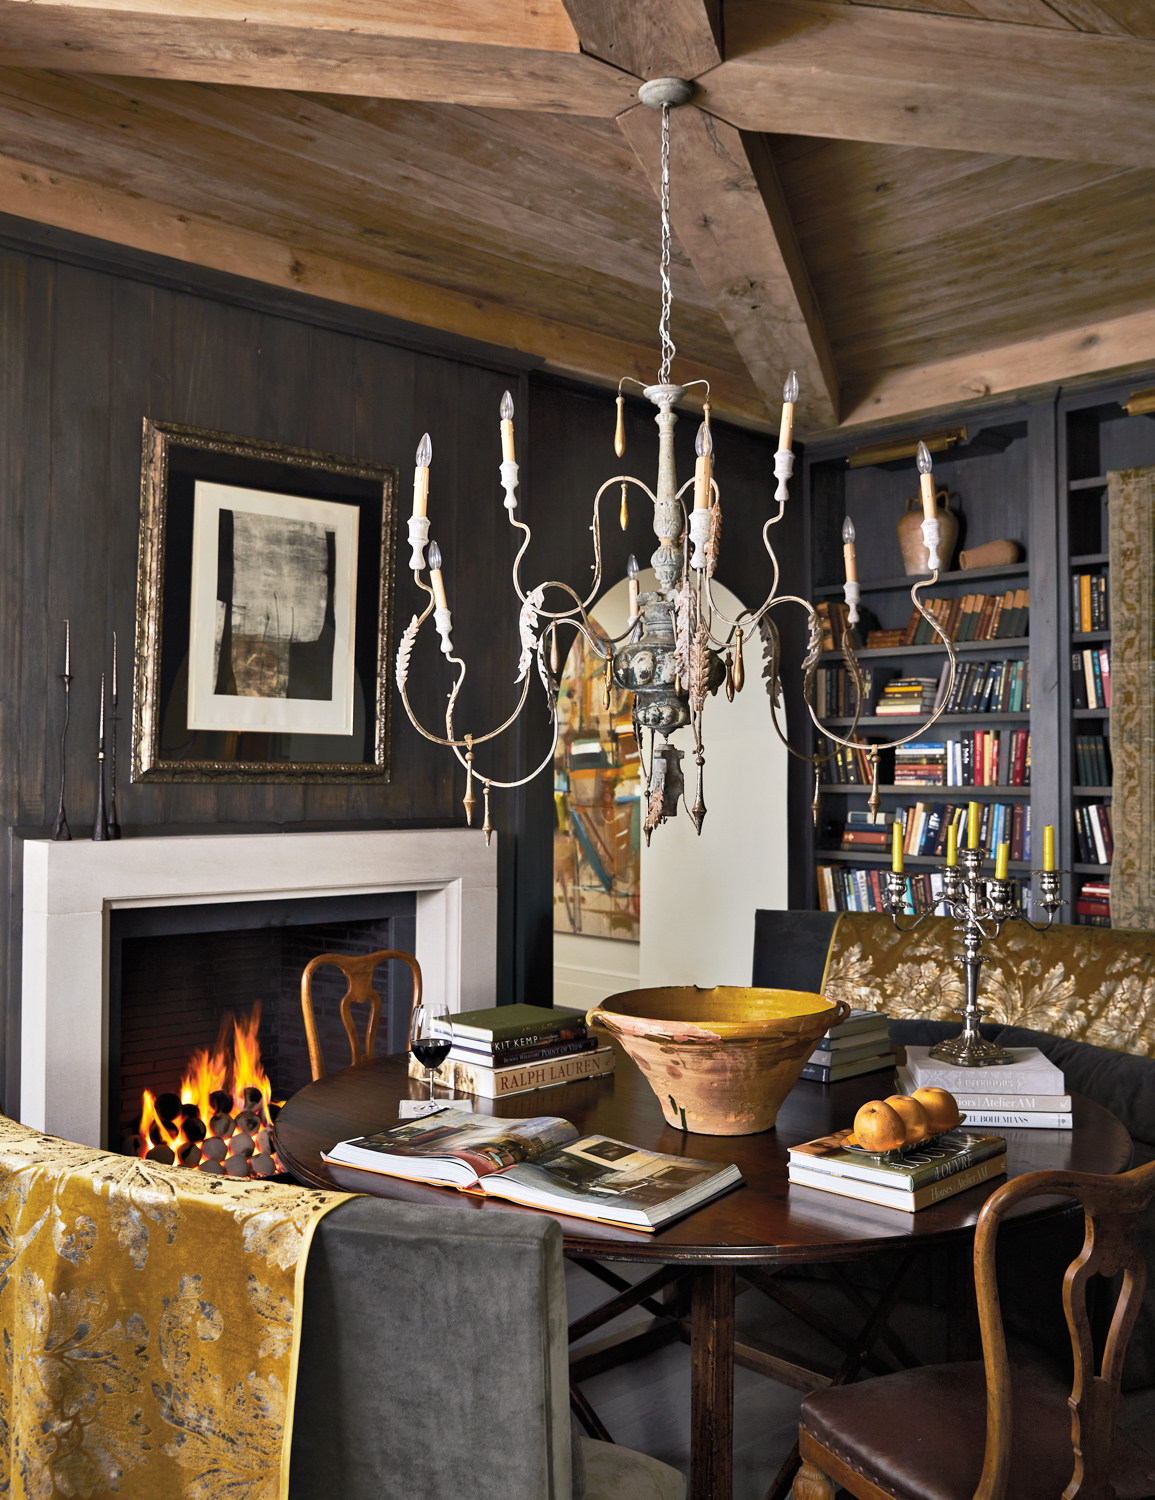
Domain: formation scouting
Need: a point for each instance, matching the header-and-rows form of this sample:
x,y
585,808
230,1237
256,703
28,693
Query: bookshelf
x,y
1034,471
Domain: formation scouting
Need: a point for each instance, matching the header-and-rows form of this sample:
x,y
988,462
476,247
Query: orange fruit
x,y
913,1116
877,1127
941,1110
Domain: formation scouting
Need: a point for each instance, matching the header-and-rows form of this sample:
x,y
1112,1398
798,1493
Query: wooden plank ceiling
x,y
913,203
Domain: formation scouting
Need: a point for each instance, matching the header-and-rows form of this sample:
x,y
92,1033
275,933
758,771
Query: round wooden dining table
x,y
757,1227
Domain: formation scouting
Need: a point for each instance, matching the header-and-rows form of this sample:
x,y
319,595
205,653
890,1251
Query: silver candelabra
x,y
980,906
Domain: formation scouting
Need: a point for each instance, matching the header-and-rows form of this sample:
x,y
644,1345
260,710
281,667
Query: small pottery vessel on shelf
x,y
914,553
720,1061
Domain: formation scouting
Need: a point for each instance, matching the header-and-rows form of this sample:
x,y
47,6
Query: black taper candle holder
x,y
100,825
60,829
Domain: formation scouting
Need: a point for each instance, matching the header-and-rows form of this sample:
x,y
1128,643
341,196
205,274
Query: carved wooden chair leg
x,y
812,1484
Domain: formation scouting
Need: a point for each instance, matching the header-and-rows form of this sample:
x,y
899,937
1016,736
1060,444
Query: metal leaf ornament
x,y
684,627
714,540
405,651
813,654
699,680
772,660
654,814
527,628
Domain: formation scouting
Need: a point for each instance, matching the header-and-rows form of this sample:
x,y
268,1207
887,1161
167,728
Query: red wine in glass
x,y
429,1038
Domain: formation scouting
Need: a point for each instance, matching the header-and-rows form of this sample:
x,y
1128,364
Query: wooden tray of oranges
x,y
889,1129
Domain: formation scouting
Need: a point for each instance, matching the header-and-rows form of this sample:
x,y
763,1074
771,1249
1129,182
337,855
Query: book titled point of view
x,y
542,1164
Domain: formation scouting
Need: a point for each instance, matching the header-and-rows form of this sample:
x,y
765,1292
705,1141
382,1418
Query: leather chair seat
x,y
903,1432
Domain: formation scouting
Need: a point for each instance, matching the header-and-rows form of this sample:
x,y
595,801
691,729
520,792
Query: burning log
x,y
226,1087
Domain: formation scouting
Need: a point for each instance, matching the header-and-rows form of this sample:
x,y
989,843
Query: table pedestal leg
x,y
712,1378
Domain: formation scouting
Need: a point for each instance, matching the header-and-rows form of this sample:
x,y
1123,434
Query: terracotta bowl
x,y
721,1061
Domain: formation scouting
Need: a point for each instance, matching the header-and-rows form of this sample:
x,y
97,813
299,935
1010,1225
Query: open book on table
x,y
541,1163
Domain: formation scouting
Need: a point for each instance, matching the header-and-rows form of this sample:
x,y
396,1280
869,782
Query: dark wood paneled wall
x,y
93,339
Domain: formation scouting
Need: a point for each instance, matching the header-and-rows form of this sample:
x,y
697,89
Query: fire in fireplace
x,y
221,1122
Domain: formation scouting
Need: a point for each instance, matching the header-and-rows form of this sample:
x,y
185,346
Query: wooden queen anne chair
x,y
358,973
919,1434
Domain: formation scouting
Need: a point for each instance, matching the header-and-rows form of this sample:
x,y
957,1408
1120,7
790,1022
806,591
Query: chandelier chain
x,y
664,323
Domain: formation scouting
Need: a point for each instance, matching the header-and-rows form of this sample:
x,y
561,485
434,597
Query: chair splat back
x,y
1111,1207
358,973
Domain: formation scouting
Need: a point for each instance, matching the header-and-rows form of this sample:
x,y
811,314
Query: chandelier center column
x,y
667,560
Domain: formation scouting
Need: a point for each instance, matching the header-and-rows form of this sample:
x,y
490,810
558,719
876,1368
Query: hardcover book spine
x,y
870,1192
496,1083
1009,1119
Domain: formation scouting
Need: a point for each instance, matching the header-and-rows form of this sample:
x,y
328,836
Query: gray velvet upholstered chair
x,y
434,1365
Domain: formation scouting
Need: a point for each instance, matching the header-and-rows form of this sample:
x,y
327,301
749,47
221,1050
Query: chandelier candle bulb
x,y
896,851
507,453
704,448
421,476
1002,862
926,482
1049,847
435,577
974,816
789,397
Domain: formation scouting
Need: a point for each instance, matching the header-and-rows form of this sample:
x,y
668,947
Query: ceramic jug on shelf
x,y
914,553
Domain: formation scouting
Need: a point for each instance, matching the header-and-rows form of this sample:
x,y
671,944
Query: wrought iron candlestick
x,y
100,823
978,915
113,816
60,829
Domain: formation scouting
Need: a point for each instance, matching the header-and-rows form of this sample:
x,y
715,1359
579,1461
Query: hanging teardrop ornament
x,y
468,799
698,811
739,669
729,678
678,685
620,430
487,826
816,805
624,513
873,802
554,660
609,681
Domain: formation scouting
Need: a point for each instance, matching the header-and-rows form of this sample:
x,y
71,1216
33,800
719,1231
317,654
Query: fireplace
x,y
79,901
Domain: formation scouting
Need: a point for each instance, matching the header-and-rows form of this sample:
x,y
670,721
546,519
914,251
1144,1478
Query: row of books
x,y
970,617
1092,760
514,1049
1093,833
925,827
979,757
845,767
991,687
843,888
1091,677
861,1044
1089,607
1093,903
835,696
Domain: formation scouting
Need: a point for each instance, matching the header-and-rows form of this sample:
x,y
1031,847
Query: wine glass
x,y
430,1038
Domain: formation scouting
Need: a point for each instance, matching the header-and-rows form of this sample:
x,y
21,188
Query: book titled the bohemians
x,y
541,1163
956,1161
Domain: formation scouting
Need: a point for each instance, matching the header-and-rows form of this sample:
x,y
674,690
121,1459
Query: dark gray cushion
x,y
790,948
433,1357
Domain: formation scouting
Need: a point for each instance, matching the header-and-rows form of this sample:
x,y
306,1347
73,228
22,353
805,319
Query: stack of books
x,y
959,1160
921,763
1093,906
861,832
860,1045
513,1049
1028,1094
908,695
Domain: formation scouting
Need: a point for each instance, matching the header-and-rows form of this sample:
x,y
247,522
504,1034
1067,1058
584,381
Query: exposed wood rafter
x,y
731,220
857,72
651,38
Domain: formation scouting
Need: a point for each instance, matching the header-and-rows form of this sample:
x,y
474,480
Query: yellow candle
x,y
896,858
849,556
421,476
952,845
435,578
1049,847
974,819
704,448
789,397
1002,861
507,428
926,482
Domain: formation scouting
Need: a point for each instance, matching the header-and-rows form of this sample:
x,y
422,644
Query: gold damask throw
x,y
1090,984
149,1319
1132,554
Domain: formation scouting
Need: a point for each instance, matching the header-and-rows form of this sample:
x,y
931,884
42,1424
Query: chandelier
x,y
679,647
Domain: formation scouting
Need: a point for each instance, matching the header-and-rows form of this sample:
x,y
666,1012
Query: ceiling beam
x,y
1094,349
731,219
67,202
904,77
139,43
651,38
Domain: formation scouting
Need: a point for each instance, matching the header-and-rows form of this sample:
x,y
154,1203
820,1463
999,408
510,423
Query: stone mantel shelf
x,y
70,888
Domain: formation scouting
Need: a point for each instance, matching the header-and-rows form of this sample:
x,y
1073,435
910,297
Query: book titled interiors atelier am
x,y
543,1164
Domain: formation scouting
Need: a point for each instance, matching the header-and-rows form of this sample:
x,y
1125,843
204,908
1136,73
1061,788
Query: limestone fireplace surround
x,y
70,888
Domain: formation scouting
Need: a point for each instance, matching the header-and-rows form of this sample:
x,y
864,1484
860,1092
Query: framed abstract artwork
x,y
263,605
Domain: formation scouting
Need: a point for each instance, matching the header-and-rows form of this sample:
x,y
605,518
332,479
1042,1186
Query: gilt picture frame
x,y
264,586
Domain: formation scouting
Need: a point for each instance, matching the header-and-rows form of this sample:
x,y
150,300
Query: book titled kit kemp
x,y
542,1164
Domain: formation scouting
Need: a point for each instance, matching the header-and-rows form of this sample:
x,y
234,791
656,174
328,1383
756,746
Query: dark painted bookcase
x,y
1033,471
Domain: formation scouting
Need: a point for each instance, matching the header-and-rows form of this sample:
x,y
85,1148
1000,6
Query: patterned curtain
x,y
1132,553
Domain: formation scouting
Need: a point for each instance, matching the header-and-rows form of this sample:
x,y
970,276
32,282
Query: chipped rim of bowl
x,y
667,1029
